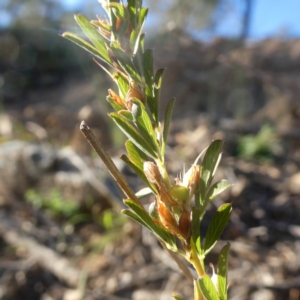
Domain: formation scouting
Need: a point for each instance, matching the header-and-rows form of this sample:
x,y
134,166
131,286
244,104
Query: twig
x,y
115,173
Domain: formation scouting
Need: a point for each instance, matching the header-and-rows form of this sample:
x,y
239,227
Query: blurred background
x,y
234,68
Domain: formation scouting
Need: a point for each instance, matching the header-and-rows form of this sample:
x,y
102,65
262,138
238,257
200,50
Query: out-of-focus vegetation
x,y
260,146
32,53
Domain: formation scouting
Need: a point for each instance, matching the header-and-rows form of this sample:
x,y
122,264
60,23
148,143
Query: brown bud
x,y
191,179
152,173
165,197
185,224
116,98
134,92
167,218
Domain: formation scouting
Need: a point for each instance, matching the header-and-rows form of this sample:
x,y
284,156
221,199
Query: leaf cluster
x,y
117,44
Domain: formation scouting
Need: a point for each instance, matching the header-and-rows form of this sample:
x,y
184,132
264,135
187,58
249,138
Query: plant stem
x,y
89,135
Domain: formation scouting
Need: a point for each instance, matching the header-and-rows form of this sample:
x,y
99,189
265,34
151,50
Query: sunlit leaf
x,y
207,288
83,44
222,272
144,124
122,83
209,164
164,235
196,213
167,121
95,37
133,135
216,226
119,10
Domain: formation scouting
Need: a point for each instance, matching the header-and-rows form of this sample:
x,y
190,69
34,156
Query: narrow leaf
x,y
95,37
132,148
137,170
133,135
133,216
133,154
154,104
116,106
177,297
143,192
196,229
119,10
216,226
144,124
210,162
164,235
222,272
125,62
167,121
83,44
122,84
215,190
148,66
207,288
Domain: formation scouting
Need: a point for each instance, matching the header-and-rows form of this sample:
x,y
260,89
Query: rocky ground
x,y
61,236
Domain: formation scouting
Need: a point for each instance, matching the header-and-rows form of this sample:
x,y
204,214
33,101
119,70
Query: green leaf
x,y
133,7
125,62
148,66
133,135
177,297
138,171
164,235
122,84
158,78
207,288
215,190
143,192
135,218
95,37
222,272
208,168
83,44
116,106
134,155
167,121
131,149
126,114
216,226
119,10
143,14
154,100
196,229
144,123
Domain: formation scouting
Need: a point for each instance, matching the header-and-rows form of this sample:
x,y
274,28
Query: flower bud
x,y
185,224
191,180
167,218
151,171
134,92
179,192
116,98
